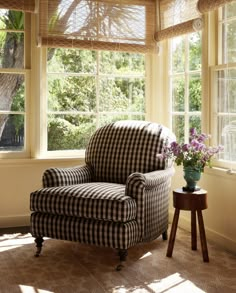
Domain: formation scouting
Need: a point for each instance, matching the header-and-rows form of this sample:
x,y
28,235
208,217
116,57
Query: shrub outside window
x,y
185,84
87,89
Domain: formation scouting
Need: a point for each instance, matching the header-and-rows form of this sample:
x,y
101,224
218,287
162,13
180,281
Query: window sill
x,y
34,161
222,172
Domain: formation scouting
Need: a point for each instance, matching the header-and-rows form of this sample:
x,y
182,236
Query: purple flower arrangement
x,y
194,154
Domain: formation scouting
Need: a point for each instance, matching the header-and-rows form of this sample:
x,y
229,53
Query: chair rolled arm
x,y
67,176
137,182
155,178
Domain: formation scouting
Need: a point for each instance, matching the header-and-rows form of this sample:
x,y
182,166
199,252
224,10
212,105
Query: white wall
x,y
17,180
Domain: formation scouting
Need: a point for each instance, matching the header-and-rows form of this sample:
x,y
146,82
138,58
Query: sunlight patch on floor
x,y
30,289
171,284
13,241
145,255
174,284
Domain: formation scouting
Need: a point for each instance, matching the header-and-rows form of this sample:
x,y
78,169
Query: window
x,y
90,81
87,89
224,86
185,84
13,79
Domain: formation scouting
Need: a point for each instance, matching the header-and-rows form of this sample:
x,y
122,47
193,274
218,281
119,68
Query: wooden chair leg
x,y
39,244
165,235
122,254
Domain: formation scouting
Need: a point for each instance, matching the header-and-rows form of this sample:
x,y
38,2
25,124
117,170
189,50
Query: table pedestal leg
x,y
202,236
173,233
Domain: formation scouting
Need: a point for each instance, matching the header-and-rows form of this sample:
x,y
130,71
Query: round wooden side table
x,y
195,202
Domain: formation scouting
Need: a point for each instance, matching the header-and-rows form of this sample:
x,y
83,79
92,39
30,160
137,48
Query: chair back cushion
x,y
124,147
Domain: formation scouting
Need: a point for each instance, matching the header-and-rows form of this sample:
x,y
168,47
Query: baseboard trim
x,y
13,230
217,238
16,221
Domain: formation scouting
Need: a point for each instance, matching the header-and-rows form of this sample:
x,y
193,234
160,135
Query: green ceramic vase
x,y
192,176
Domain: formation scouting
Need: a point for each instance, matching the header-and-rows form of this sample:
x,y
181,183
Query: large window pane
x,y
195,122
121,94
227,136
71,60
226,112
195,89
71,93
185,84
10,19
195,51
177,54
229,41
69,132
11,40
12,138
12,84
230,10
87,89
224,85
226,80
12,98
178,127
116,62
178,93
12,106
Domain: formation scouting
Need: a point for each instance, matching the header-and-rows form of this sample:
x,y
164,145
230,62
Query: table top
x,y
186,200
181,191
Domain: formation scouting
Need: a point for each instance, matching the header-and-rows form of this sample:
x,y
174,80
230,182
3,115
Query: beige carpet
x,y
66,267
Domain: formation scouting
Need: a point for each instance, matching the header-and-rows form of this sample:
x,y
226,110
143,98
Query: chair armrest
x,y
151,193
137,182
67,176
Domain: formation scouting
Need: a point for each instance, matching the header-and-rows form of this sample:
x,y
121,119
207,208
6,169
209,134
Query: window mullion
x,y
186,73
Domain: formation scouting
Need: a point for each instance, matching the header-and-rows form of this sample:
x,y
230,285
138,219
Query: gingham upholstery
x,y
67,176
101,233
96,200
119,149
118,199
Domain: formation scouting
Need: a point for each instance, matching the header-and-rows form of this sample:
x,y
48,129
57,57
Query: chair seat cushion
x,y
97,200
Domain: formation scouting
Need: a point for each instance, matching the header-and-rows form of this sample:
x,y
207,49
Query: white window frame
x,y
42,144
228,165
186,74
25,153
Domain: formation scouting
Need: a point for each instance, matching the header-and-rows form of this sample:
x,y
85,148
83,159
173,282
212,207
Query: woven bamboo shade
x,y
177,17
208,5
180,29
22,5
174,12
123,25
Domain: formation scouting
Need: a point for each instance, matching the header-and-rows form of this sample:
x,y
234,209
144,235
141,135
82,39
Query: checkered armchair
x,y
118,199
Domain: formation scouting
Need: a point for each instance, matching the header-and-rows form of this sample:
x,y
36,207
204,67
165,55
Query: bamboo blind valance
x,y
125,25
21,5
177,17
208,5
180,29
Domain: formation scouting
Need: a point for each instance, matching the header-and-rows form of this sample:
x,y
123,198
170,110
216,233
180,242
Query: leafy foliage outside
x,y
12,85
88,89
186,83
